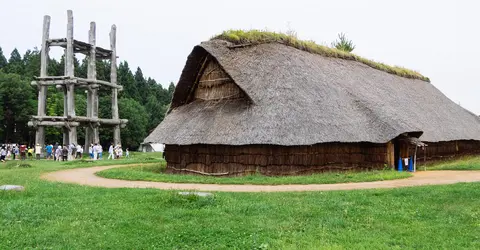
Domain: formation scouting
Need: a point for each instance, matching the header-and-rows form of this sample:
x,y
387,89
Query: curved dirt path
x,y
87,177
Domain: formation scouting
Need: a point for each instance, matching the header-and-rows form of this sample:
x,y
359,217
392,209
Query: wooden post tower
x,y
67,83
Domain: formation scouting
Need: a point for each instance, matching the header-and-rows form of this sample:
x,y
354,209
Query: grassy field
x,y
156,173
465,163
66,216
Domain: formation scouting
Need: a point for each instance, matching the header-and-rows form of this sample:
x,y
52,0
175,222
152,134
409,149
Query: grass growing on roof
x,y
50,215
239,37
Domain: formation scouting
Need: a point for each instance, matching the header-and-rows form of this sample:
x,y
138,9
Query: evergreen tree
x,y
141,85
15,63
343,43
82,70
156,112
125,78
54,68
31,60
3,60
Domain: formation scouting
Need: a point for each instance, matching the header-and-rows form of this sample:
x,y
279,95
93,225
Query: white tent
x,y
151,147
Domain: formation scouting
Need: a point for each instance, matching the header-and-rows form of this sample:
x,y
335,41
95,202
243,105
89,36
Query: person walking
x,y
100,151
65,153
9,152
23,152
30,153
49,149
3,154
16,152
127,153
38,151
70,151
79,152
110,152
95,151
120,152
58,153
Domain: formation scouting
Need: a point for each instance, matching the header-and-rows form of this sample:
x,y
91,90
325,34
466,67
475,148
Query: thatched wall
x,y
274,160
437,151
215,84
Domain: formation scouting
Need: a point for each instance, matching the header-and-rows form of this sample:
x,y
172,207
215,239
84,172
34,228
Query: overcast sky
x,y
437,38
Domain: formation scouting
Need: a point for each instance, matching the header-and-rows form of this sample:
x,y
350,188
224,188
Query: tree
x,y
31,62
3,60
136,129
343,43
156,112
141,85
18,103
171,89
82,70
54,108
125,78
54,68
15,63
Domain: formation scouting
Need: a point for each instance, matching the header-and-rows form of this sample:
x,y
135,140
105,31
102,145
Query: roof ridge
x,y
242,38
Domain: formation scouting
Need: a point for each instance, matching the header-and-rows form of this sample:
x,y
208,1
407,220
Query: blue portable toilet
x,y
410,165
400,164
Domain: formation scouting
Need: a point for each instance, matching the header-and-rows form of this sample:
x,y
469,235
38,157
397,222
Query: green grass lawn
x,y
156,173
465,163
67,216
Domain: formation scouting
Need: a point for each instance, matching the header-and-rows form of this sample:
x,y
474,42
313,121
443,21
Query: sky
x,y
437,38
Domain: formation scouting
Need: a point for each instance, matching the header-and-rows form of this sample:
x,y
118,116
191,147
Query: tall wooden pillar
x,y
42,92
113,80
91,132
70,88
65,105
390,157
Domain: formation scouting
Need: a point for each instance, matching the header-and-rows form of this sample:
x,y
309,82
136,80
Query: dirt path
x,y
86,176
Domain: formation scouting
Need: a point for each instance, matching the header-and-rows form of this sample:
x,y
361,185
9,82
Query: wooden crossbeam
x,y
52,123
81,119
81,47
65,80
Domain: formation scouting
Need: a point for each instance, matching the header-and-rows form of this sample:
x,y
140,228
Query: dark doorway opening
x,y
396,152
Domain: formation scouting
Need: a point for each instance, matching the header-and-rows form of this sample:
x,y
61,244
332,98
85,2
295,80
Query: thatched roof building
x,y
269,95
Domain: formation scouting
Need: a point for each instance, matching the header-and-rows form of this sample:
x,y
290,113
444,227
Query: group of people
x,y
116,152
14,151
58,152
61,152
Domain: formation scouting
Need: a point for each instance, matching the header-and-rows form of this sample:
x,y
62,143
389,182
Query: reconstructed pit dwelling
x,y
282,107
67,83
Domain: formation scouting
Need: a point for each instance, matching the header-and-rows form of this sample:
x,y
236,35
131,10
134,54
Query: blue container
x,y
410,165
400,164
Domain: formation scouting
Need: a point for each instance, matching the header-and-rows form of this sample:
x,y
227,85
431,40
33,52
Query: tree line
x,y
143,101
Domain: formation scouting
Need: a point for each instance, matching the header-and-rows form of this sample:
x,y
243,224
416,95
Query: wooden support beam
x,y
70,125
42,90
70,69
91,132
113,78
81,47
81,119
390,157
49,81
99,82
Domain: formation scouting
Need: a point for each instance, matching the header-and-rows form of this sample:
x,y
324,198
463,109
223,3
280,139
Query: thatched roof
x,y
300,98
